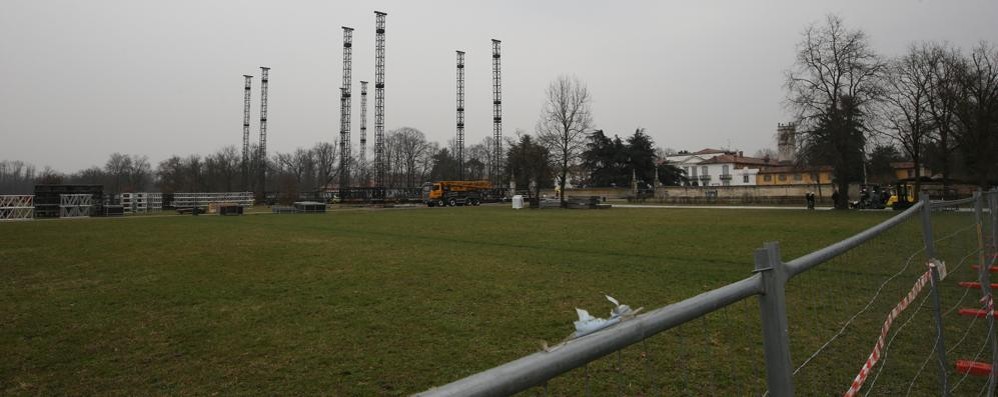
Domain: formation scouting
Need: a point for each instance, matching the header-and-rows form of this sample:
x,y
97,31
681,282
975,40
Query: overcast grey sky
x,y
83,79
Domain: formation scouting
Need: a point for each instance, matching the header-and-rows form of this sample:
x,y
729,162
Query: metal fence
x,y
976,217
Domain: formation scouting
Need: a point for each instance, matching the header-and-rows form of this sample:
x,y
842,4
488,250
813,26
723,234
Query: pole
x,y
773,310
930,253
993,208
984,277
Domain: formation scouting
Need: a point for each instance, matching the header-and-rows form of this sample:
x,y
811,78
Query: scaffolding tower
x,y
345,91
379,98
460,114
496,112
262,155
246,129
363,133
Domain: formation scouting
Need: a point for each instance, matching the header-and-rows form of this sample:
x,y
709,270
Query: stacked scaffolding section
x,y
17,207
246,129
262,150
75,205
190,200
363,133
379,98
496,111
48,200
133,203
460,114
345,93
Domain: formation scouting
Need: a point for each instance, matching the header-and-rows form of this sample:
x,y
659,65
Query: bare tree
x,y
565,120
118,167
324,155
941,105
831,87
411,155
16,177
481,158
976,111
904,111
222,168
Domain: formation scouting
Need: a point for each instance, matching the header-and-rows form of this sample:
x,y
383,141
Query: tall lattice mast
x,y
363,132
460,114
496,112
246,131
262,155
379,98
345,107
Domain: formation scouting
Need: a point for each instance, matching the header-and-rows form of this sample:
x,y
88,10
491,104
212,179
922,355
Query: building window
x,y
686,170
911,173
703,170
724,169
745,178
783,177
798,177
767,178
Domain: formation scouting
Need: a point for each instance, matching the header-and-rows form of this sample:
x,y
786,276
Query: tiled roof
x,y
710,151
730,158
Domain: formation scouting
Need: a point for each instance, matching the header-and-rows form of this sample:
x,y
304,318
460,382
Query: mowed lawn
x,y
370,302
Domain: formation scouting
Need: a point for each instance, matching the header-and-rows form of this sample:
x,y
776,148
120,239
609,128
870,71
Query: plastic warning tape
x,y
857,383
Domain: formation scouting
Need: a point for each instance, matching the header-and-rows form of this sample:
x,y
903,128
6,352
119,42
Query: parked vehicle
x,y
455,193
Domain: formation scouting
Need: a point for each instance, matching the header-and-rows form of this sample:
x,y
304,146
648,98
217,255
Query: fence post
x,y
993,208
984,277
930,244
773,310
930,253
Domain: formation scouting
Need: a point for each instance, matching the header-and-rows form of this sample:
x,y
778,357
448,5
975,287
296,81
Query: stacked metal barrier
x,y
190,200
17,207
75,205
133,203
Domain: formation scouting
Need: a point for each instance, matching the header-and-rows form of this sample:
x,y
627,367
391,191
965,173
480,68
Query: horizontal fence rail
x,y
536,368
802,264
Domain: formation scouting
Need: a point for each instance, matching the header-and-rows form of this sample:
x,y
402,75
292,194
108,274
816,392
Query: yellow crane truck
x,y
455,193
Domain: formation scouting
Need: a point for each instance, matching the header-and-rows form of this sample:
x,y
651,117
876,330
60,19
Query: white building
x,y
713,167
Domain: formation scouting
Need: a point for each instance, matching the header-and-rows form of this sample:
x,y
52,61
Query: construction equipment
x,y
903,197
455,193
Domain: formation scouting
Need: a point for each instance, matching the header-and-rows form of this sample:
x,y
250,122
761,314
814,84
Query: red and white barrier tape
x,y
857,383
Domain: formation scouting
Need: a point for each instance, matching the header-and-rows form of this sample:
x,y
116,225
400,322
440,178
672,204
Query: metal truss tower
x,y
379,98
345,91
262,155
363,133
460,114
496,112
246,131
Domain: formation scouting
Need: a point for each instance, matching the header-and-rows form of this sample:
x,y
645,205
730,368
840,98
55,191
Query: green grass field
x,y
391,302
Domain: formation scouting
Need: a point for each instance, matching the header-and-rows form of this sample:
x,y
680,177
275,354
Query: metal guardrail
x,y
954,203
768,282
806,262
536,368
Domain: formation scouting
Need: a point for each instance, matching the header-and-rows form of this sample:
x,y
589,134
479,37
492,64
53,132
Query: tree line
x,y
935,105
410,159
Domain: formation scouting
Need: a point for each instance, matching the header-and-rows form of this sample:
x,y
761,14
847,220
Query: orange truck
x,y
455,193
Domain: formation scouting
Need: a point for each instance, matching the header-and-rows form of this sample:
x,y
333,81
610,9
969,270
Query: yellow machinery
x,y
902,197
455,193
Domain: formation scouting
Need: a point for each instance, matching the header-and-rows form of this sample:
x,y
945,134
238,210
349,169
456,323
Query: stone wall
x,y
787,194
